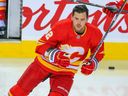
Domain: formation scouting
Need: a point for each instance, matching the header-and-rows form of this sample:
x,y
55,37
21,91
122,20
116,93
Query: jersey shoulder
x,y
61,29
93,29
91,26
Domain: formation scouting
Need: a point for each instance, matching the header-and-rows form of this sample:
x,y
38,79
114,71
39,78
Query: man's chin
x,y
78,30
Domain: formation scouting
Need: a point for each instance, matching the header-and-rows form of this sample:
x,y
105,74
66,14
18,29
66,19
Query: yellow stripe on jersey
x,y
41,41
10,94
77,63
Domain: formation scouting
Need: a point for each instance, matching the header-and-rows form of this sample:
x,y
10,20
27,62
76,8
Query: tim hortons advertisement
x,y
40,15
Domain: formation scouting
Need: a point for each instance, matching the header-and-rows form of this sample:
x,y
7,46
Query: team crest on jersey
x,y
75,52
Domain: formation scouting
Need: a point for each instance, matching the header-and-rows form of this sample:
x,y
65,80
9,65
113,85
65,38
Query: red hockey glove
x,y
59,57
89,66
111,9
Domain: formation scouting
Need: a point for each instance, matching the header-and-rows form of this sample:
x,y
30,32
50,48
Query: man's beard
x,y
81,31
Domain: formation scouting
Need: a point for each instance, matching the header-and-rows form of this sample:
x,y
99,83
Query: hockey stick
x,y
106,33
97,5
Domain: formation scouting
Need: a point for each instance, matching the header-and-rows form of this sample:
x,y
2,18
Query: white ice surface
x,y
101,83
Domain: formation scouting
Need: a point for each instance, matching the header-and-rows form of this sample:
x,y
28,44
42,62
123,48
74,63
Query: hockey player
x,y
59,54
116,4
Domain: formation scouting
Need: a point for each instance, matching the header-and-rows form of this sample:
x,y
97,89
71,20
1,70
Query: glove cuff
x,y
52,54
96,63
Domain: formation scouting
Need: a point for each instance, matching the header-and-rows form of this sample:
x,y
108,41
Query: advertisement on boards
x,y
38,17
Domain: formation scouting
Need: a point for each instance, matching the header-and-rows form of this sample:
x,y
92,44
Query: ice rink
x,y
104,82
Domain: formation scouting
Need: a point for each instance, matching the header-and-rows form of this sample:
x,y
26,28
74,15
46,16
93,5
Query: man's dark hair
x,y
80,9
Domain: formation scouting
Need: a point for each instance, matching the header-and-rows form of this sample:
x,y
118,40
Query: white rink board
x,y
29,32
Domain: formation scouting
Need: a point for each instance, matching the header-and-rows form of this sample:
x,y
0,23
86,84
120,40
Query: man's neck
x,y
82,31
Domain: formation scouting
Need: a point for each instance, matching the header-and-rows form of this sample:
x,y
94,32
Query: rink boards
x,y
26,49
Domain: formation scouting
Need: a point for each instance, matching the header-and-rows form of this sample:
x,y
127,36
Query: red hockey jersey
x,y
63,37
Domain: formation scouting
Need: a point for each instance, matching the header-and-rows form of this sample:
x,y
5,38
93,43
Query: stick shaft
x,y
106,33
